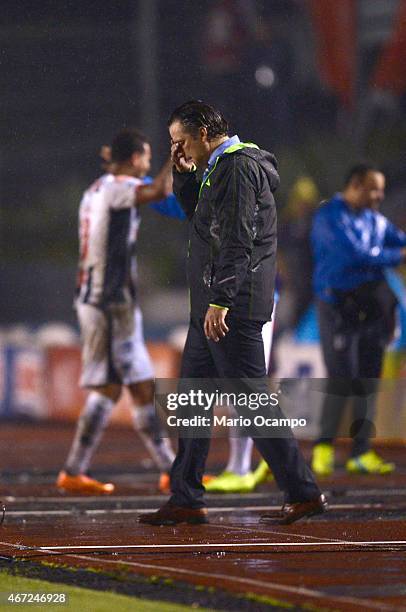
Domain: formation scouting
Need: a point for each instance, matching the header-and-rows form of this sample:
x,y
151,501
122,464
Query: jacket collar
x,y
219,151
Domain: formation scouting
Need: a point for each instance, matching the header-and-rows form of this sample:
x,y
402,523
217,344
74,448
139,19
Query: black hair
x,y
359,171
127,142
196,114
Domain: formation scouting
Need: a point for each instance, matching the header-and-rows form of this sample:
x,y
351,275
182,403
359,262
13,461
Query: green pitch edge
x,y
79,598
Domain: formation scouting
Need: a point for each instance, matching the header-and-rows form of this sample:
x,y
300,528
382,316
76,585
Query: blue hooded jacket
x,y
351,248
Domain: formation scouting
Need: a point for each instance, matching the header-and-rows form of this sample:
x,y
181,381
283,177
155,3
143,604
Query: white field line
x,y
120,498
129,511
99,511
228,497
258,530
284,588
222,545
267,532
363,604
217,545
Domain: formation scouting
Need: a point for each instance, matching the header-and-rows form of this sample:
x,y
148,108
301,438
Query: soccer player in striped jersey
x,y
114,353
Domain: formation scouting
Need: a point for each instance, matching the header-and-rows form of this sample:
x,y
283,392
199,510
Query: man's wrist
x,y
180,170
218,306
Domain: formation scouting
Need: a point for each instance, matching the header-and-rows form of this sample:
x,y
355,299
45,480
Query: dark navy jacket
x,y
232,213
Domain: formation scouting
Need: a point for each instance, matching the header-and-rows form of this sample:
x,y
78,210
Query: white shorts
x,y
113,348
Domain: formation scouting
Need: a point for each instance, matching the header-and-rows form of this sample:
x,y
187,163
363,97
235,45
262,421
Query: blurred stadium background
x,y
321,83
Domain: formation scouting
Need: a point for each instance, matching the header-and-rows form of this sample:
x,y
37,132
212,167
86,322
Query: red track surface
x,y
311,562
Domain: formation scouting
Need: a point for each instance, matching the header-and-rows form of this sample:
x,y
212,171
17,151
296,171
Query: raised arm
x,y
394,237
185,182
159,188
169,207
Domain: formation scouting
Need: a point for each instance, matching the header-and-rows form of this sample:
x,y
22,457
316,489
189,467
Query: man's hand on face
x,y
179,160
215,326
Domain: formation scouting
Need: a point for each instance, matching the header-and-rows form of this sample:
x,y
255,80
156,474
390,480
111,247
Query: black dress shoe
x,y
293,512
170,514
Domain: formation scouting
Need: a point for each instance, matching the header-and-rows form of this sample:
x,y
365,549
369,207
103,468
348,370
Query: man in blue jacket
x,y
353,244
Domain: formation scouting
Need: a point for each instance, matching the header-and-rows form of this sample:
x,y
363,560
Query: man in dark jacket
x,y
231,271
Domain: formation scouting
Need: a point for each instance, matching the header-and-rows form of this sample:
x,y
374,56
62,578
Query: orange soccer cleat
x,y
164,484
83,484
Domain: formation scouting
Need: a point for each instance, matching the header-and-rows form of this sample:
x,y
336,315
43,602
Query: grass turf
x,y
78,598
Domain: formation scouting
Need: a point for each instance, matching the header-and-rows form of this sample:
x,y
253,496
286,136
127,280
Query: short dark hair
x,y
127,142
196,114
359,171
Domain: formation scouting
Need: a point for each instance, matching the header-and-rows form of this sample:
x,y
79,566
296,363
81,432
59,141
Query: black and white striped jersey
x,y
108,226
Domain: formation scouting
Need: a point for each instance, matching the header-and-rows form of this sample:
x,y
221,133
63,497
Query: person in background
x,y
114,354
295,252
353,245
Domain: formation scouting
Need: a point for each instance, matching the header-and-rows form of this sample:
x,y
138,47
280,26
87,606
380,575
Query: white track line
x,y
63,499
99,511
120,498
267,532
400,491
221,545
363,604
218,545
284,588
84,512
26,513
230,496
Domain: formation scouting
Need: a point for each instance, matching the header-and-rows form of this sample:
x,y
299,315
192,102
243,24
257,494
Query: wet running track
x,y
353,558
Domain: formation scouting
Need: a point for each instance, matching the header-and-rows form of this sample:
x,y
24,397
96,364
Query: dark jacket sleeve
x,y
186,188
235,207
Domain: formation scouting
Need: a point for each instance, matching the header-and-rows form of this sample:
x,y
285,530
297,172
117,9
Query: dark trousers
x,y
239,355
353,353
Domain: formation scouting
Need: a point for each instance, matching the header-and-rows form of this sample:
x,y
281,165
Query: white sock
x,y
240,453
89,430
148,426
239,460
